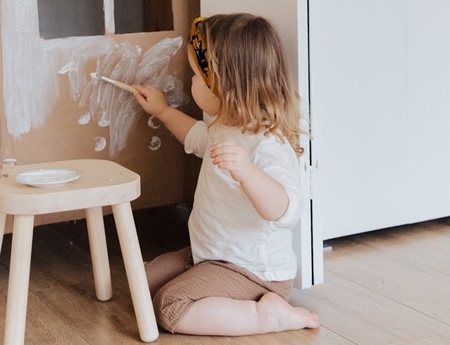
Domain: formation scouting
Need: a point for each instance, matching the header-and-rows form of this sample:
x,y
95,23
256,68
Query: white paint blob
x,y
71,66
155,143
85,118
153,122
100,144
103,122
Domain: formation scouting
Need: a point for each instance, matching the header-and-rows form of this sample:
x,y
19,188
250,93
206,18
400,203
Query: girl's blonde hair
x,y
251,75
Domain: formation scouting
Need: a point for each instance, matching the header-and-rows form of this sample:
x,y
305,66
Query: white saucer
x,y
47,177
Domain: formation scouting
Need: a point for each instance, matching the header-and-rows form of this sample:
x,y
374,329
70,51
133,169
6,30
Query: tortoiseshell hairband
x,y
199,53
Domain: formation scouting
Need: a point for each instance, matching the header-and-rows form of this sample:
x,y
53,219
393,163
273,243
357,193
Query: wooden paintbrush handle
x,y
125,87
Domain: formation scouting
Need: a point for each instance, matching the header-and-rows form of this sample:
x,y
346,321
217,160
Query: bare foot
x,y
278,315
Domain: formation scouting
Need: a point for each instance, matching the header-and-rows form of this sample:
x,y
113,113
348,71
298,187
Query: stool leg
x,y
134,267
99,253
19,276
2,228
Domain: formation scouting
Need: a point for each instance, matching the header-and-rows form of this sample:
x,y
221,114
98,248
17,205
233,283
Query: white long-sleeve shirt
x,y
224,225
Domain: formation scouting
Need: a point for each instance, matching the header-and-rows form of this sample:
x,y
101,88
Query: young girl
x,y
237,275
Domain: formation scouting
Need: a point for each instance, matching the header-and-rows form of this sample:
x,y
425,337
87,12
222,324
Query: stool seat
x,y
101,183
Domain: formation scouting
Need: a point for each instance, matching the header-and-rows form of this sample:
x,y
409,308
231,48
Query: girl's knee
x,y
166,267
169,303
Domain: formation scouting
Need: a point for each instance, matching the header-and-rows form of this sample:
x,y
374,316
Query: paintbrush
x,y
119,84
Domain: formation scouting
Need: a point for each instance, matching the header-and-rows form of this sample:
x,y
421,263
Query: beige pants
x,y
176,283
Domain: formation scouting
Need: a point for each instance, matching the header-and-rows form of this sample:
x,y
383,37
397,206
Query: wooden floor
x,y
384,287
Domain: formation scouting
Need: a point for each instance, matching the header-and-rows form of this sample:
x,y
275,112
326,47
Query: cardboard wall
x,y
168,175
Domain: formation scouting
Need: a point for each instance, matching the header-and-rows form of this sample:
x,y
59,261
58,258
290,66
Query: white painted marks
x,y
155,143
100,144
32,69
153,122
85,118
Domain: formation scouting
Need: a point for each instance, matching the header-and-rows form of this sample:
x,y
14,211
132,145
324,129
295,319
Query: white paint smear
x,y
153,122
85,118
31,66
100,144
104,120
155,143
108,7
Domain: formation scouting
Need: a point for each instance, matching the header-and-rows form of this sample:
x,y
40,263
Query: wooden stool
x,y
101,183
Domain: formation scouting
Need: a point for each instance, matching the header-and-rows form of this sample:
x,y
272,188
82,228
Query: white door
x,y
429,109
380,113
358,114
291,21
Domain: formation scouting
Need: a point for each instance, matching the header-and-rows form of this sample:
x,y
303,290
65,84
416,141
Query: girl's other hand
x,y
151,100
232,157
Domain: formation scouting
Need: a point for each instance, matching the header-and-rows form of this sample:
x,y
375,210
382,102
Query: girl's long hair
x,y
252,77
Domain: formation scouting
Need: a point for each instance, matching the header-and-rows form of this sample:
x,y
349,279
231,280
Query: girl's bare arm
x,y
154,103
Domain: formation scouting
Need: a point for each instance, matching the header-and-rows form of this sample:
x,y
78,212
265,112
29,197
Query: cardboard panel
x,y
168,175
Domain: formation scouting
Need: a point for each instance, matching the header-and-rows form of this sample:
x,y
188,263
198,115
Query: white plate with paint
x,y
47,177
